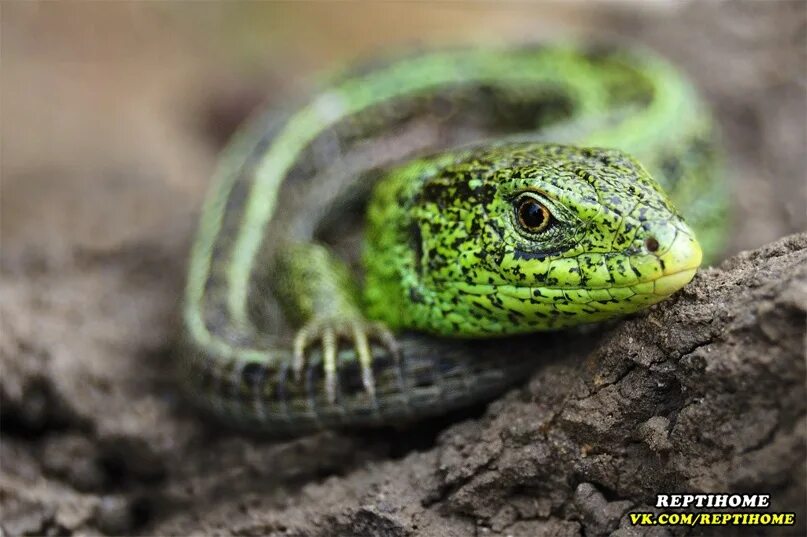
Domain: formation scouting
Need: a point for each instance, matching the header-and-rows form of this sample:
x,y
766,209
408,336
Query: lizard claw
x,y
358,332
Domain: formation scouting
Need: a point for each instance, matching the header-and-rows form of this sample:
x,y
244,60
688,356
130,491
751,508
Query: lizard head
x,y
528,236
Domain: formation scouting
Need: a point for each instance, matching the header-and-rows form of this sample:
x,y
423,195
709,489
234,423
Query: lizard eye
x,y
532,215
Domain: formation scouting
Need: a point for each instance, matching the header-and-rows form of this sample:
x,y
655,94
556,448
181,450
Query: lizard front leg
x,y
318,294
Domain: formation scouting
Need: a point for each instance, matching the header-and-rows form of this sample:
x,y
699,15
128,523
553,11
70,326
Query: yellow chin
x,y
670,283
680,262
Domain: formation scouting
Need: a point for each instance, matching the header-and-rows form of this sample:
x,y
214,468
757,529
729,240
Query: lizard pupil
x,y
532,215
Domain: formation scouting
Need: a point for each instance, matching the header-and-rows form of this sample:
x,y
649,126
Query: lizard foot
x,y
358,332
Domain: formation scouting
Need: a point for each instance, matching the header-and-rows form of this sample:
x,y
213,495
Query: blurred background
x,y
112,113
111,116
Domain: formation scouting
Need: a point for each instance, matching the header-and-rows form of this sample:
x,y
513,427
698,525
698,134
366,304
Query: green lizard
x,y
484,221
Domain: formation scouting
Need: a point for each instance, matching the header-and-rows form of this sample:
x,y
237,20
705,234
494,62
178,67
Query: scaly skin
x,y
505,229
446,253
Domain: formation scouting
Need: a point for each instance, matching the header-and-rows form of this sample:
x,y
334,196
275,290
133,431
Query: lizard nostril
x,y
651,244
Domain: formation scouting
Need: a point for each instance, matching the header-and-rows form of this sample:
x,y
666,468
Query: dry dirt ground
x,y
112,115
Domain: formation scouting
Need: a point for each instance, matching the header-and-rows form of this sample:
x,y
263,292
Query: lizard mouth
x,y
663,273
679,263
661,287
670,283
668,264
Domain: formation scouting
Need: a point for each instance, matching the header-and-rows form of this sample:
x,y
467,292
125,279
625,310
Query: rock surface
x,y
704,392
